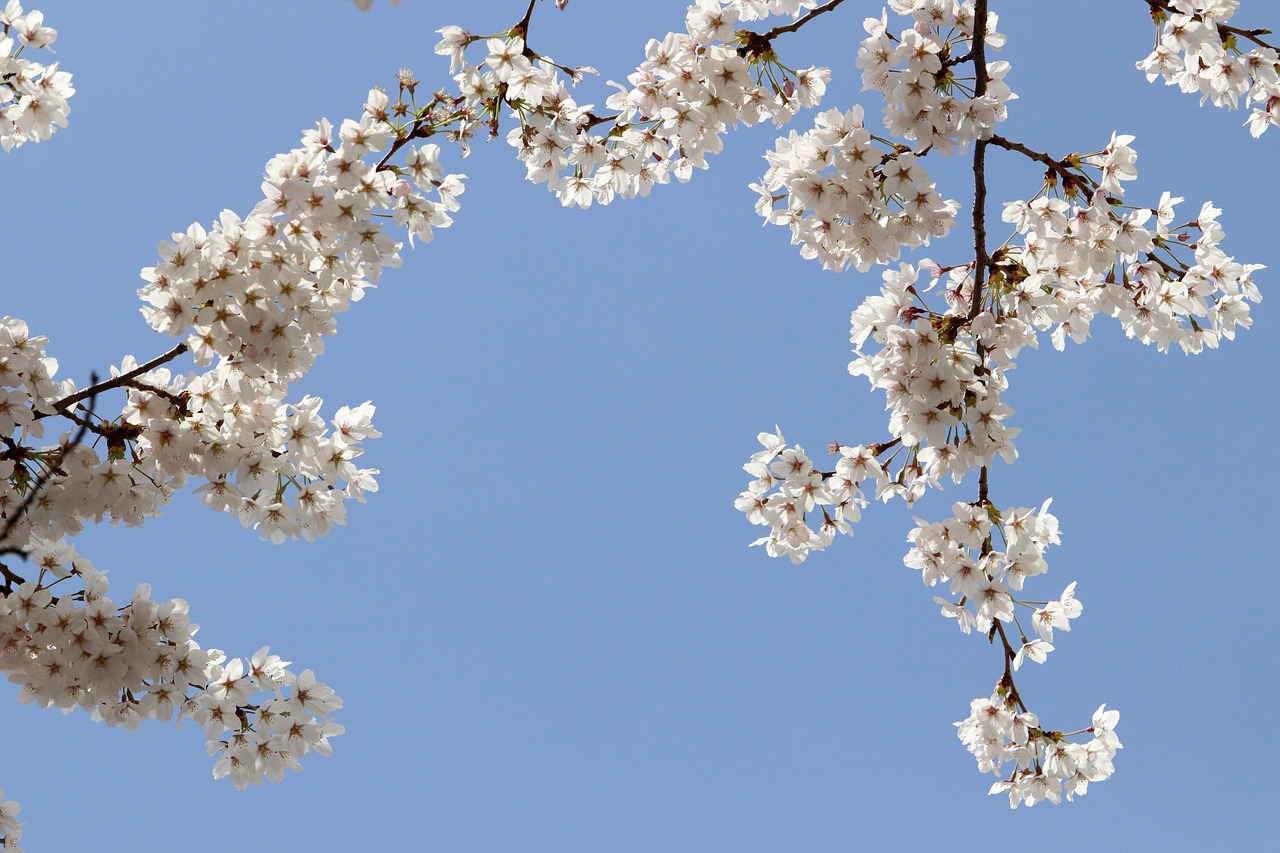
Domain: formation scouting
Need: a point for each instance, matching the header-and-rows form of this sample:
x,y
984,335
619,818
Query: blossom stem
x,y
1056,167
1009,655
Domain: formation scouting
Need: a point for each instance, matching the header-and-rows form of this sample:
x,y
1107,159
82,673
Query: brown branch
x,y
523,27
1009,655
795,25
115,382
11,580
1251,35
44,478
1070,178
979,52
754,44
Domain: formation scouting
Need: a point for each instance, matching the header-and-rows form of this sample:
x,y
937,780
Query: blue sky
x,y
547,626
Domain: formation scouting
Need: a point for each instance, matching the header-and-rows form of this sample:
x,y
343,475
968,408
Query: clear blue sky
x,y
547,626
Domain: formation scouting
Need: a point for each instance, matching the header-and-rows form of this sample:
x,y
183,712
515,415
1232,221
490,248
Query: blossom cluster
x,y
1197,51
915,71
33,96
943,371
253,299
275,465
852,198
959,553
942,389
259,295
946,415
261,292
678,104
1090,255
127,663
787,488
848,197
997,731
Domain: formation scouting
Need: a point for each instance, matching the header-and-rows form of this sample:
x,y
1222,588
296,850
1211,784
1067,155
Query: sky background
x,y
547,625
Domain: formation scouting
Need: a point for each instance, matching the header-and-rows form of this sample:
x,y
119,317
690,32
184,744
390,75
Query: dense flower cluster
x,y
1197,51
125,664
1089,256
946,416
800,490
959,554
33,97
253,299
690,90
259,295
925,101
850,199
1047,765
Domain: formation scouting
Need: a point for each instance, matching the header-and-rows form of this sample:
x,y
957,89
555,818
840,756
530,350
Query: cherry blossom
x,y
1200,53
247,301
33,96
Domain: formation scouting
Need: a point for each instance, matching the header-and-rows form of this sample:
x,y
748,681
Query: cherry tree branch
x,y
1070,178
115,382
979,52
1009,655
795,25
522,28
754,44
44,478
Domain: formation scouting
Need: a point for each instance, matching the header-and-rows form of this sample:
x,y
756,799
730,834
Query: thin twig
x,y
1009,655
1069,177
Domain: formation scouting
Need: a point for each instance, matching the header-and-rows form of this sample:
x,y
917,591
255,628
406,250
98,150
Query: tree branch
x,y
115,382
754,44
523,26
979,53
44,478
1069,177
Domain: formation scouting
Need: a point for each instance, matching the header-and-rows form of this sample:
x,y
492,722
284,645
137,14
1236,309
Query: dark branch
x,y
1062,170
754,44
522,28
115,382
979,52
54,468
